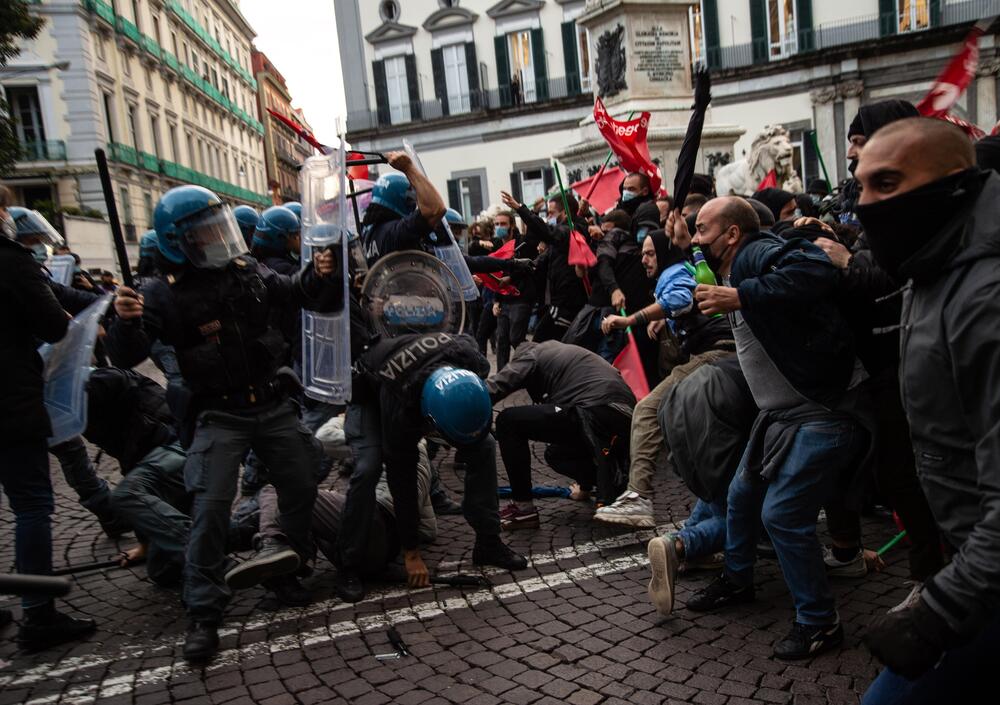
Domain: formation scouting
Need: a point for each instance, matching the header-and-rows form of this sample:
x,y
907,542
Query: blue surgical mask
x,y
552,220
501,231
641,235
628,196
40,252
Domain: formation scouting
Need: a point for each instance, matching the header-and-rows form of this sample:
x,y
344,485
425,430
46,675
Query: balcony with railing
x,y
546,92
128,29
853,30
43,151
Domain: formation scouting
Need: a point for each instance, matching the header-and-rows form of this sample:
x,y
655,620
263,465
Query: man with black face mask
x,y
930,216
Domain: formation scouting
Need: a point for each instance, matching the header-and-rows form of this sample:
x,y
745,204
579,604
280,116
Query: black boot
x,y
288,591
348,585
273,558
202,642
44,627
490,550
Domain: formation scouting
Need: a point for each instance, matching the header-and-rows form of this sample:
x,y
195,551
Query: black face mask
x,y
852,166
714,262
907,234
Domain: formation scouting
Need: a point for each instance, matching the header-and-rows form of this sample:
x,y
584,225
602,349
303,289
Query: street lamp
x,y
21,70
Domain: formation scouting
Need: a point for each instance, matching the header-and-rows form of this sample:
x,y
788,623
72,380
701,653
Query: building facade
x,y
284,150
487,91
164,86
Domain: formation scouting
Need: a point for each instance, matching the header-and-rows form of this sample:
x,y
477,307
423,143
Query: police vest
x,y
229,348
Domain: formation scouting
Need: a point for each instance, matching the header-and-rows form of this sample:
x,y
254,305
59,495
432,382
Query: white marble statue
x,y
771,149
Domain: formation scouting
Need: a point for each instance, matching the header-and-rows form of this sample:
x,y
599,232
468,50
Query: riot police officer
x,y
213,304
247,218
295,207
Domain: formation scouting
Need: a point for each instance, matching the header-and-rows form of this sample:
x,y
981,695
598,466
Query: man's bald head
x,y
907,154
721,226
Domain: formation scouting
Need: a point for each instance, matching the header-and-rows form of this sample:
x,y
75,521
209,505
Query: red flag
x,y
492,280
956,76
579,252
975,132
601,189
627,140
769,181
301,132
629,364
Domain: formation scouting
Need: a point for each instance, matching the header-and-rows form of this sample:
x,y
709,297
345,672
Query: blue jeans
x,y
788,505
92,490
608,346
965,675
704,532
24,474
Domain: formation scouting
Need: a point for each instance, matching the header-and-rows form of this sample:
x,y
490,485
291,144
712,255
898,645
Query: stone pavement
x,y
575,627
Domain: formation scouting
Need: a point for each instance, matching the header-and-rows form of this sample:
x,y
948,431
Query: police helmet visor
x,y
33,229
212,238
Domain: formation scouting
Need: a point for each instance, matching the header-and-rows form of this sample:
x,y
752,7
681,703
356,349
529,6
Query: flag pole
x,y
600,173
569,219
819,154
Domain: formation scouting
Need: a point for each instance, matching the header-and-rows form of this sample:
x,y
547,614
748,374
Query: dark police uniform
x,y
229,352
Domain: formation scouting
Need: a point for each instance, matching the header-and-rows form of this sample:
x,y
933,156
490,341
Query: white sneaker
x,y
630,509
910,600
854,568
663,564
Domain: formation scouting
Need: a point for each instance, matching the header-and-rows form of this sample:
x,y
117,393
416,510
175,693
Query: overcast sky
x,y
300,38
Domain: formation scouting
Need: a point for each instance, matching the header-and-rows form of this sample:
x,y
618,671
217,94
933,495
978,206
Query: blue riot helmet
x,y
276,226
148,244
247,218
35,232
457,402
193,225
393,191
296,208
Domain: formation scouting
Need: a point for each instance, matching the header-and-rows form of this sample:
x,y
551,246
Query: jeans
x,y
647,439
363,432
220,443
788,506
24,474
704,532
93,491
965,675
512,328
155,502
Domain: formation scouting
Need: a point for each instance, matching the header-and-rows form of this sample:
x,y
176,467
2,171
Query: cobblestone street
x,y
575,627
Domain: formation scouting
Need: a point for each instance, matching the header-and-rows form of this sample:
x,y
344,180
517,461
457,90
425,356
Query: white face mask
x,y
7,227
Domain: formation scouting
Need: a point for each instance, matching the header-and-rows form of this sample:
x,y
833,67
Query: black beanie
x,y
873,116
666,253
775,199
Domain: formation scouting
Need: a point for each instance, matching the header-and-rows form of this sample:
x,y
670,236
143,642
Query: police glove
x,y
910,642
521,266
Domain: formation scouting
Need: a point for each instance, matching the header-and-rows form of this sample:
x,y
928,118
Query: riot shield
x,y
61,269
448,252
413,292
326,337
67,369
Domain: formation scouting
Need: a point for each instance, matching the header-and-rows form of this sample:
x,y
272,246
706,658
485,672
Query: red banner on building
x,y
627,139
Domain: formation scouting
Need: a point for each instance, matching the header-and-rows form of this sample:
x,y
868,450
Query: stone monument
x,y
642,62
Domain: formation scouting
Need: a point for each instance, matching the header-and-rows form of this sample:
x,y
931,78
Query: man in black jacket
x,y
931,219
30,314
797,353
582,408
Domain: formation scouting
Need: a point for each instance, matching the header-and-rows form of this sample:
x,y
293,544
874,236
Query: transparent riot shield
x,y
326,337
67,369
412,292
61,269
448,252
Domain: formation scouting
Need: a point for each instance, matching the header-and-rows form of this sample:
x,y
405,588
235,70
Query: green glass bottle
x,y
703,274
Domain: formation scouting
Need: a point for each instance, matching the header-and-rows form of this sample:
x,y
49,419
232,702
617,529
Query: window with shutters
x,y
522,67
133,131
397,89
914,15
583,56
781,28
532,186
456,75
27,114
697,34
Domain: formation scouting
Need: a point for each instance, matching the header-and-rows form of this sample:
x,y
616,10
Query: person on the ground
x,y
930,218
581,407
797,355
215,306
30,314
702,339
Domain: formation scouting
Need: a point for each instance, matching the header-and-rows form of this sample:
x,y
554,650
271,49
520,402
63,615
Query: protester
x,y
581,407
513,311
31,314
781,203
929,215
797,355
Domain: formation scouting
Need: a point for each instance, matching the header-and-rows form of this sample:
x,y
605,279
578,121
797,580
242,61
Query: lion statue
x,y
771,149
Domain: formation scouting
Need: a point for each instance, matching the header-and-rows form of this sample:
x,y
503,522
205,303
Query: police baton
x,y
116,227
12,584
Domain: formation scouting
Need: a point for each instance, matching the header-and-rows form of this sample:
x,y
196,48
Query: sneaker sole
x,y
661,588
819,648
518,525
640,522
254,572
848,571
